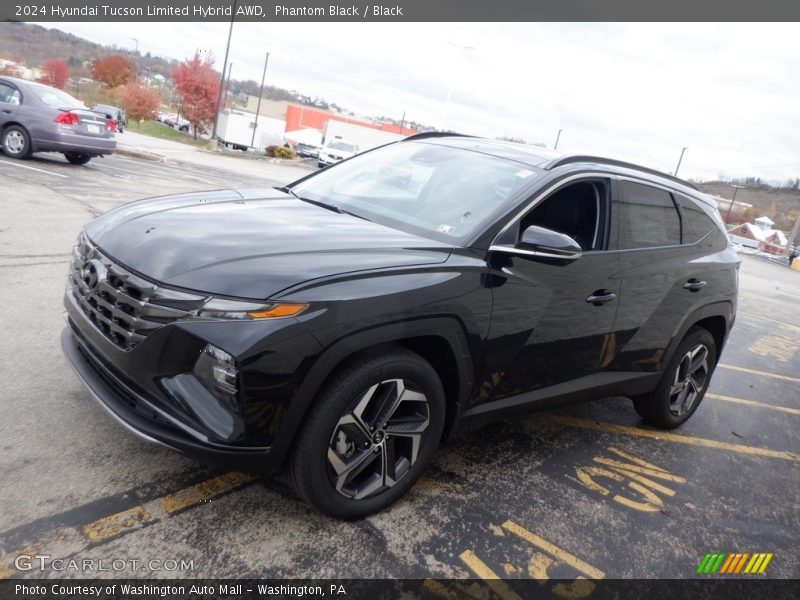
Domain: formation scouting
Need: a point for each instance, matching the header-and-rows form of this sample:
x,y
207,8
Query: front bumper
x,y
142,418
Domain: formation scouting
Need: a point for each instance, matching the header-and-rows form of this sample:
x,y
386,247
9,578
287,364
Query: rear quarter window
x,y
696,223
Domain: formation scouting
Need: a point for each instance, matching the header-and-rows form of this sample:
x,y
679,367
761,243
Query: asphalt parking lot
x,y
585,491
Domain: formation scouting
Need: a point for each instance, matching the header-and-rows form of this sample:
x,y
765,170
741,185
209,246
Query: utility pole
x,y
227,85
679,162
558,137
402,122
224,66
137,45
790,241
736,188
258,106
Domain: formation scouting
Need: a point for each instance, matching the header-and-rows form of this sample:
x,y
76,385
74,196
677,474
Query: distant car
x,y
334,151
39,118
112,112
306,150
182,124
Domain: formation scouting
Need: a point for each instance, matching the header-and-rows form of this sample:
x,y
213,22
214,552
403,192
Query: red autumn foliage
x,y
139,102
198,84
54,72
114,70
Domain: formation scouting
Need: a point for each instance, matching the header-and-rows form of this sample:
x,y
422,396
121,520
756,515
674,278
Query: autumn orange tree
x,y
54,72
139,102
198,84
114,70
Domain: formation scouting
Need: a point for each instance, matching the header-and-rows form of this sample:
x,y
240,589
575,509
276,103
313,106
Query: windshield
x,y
438,191
56,98
342,146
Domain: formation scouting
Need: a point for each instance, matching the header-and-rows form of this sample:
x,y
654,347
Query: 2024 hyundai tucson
x,y
340,328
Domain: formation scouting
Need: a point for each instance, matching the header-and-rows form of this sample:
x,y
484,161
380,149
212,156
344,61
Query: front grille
x,y
124,307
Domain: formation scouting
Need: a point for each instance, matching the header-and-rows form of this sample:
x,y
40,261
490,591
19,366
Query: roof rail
x,y
434,134
579,158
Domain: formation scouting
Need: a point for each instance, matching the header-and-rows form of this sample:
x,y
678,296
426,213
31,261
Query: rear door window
x,y
9,94
646,217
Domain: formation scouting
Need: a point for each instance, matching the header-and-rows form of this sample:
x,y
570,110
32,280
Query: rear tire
x,y
369,435
16,142
684,383
76,158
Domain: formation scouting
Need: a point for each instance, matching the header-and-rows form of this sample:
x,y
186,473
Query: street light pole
x,y
730,206
137,45
224,67
558,137
679,162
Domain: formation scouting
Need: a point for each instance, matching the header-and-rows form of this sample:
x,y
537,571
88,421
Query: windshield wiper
x,y
321,204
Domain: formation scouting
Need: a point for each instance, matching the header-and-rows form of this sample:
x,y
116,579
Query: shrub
x,y
280,152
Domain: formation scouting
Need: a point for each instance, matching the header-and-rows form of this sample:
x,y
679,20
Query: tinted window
x,y
696,223
9,94
646,217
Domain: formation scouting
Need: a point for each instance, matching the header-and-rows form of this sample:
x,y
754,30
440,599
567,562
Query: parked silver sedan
x,y
39,118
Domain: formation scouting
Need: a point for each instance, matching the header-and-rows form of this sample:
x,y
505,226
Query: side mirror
x,y
548,244
541,243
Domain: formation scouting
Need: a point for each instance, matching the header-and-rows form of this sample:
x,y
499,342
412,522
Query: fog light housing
x,y
217,371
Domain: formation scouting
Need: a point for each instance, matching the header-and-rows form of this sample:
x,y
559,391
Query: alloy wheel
x,y
690,379
377,440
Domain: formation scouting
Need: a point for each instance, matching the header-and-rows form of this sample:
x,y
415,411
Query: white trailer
x,y
363,137
235,128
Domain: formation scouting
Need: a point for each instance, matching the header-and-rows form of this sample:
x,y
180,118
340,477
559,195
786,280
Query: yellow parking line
x,y
492,579
761,373
671,437
553,550
733,399
112,526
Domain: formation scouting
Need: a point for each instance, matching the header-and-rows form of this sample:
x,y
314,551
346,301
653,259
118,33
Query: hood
x,y
250,243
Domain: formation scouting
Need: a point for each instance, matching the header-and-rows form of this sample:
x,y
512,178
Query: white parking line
x,y
15,164
106,166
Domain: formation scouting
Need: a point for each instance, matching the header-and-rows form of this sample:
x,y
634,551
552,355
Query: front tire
x,y
76,158
369,436
684,383
16,142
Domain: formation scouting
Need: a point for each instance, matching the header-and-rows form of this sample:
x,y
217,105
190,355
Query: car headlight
x,y
235,309
217,371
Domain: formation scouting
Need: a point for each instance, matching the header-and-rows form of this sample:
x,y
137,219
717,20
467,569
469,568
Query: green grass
x,y
165,132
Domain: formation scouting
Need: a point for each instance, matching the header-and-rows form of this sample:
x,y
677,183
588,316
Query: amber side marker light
x,y
278,310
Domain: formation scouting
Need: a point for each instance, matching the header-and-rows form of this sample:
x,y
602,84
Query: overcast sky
x,y
641,92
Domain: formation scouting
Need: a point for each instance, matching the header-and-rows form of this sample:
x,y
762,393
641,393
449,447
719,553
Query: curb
x,y
136,153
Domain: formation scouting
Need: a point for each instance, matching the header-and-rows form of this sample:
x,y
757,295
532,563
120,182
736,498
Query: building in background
x,y
759,235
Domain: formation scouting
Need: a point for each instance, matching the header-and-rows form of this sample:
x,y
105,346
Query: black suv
x,y
340,328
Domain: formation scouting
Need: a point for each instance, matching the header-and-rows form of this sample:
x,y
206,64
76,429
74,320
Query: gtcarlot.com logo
x,y
734,563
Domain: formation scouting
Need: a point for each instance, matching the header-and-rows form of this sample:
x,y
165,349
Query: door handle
x,y
7,111
600,297
693,285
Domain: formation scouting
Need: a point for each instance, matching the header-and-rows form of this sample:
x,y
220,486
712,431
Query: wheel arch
x,y
716,318
440,341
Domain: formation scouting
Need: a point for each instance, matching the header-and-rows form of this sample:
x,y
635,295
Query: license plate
x,y
93,128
